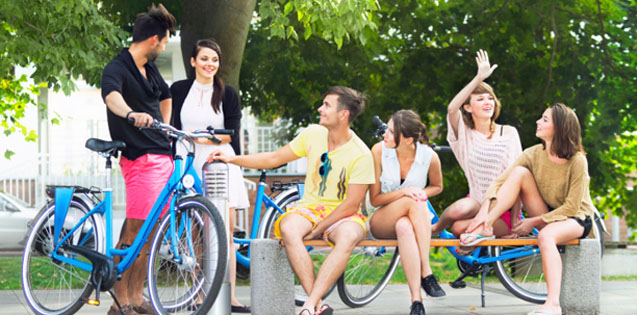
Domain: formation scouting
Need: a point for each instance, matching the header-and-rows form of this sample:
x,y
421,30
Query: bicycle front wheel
x,y
368,272
50,285
186,270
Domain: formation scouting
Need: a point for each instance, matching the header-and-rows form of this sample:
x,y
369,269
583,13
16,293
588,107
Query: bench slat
x,y
436,242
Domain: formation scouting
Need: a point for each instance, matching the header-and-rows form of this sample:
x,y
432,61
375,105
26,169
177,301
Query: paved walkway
x,y
617,298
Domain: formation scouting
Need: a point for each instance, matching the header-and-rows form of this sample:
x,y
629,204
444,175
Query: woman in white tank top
x,y
483,149
403,162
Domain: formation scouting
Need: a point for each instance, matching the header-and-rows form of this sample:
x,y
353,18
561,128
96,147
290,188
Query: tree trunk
x,y
225,21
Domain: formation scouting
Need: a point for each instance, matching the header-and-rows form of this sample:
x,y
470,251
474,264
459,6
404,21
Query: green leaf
x,y
8,154
288,8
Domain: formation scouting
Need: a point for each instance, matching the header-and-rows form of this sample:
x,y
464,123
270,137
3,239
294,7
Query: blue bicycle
x,y
282,195
69,251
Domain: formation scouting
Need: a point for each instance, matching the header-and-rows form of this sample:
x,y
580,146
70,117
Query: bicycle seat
x,y
103,146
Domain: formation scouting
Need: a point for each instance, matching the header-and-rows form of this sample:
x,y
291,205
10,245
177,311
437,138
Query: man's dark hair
x,y
348,99
154,22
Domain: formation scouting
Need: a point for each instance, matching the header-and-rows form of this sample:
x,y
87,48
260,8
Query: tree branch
x,y
579,16
604,45
550,74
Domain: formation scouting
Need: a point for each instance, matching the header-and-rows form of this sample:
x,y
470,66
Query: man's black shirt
x,y
142,95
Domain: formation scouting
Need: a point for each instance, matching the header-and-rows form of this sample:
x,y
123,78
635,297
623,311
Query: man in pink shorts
x,y
133,88
340,168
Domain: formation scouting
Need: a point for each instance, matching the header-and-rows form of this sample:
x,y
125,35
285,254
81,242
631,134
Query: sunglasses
x,y
327,165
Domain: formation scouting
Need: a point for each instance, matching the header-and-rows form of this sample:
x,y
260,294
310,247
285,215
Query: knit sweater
x,y
483,159
563,187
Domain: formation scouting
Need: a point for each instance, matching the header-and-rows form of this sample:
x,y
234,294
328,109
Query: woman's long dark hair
x,y
408,124
567,137
219,87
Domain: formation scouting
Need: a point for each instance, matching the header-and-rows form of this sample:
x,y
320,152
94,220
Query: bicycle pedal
x,y
458,284
93,302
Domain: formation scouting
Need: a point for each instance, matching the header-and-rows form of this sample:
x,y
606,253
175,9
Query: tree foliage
x,y
62,39
226,21
581,53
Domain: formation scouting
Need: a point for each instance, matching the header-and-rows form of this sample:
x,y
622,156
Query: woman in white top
x,y
483,149
206,101
402,163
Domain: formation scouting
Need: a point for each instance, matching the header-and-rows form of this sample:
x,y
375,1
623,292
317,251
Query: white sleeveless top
x,y
417,175
197,113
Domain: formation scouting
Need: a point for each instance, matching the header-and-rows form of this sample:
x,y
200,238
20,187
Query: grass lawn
x,y
443,265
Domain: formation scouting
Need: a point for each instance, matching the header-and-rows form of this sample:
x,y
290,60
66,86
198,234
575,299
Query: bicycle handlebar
x,y
208,133
440,148
382,127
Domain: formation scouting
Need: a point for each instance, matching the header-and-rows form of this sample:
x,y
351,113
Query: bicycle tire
x,y
51,286
359,285
266,230
523,276
598,229
175,287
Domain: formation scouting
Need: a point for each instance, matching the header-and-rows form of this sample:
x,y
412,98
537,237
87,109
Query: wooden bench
x,y
272,288
438,242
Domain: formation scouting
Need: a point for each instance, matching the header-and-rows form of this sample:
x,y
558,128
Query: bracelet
x,y
132,111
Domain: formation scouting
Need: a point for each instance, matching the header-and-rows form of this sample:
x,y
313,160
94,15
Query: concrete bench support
x,y
581,278
272,287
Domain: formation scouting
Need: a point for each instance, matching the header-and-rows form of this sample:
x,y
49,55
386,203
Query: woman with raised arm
x,y
483,148
552,180
402,163
205,101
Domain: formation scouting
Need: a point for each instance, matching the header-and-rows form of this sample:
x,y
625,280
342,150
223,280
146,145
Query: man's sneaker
x,y
417,308
431,286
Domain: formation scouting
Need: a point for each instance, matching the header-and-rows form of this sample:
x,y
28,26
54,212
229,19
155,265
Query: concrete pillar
x,y
272,279
581,278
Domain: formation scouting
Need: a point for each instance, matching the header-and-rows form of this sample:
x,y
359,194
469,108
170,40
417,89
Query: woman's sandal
x,y
325,310
478,238
305,310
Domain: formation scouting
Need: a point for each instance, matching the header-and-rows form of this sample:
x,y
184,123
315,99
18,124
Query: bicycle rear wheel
x,y
178,284
50,285
368,272
523,276
266,230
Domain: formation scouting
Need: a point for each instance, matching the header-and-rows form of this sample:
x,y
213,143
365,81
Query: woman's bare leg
x,y
408,221
465,208
551,235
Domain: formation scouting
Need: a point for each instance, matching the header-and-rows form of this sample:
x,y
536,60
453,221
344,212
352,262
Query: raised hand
x,y
484,66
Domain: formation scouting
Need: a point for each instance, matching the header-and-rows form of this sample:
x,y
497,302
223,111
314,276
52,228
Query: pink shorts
x,y
145,178
506,217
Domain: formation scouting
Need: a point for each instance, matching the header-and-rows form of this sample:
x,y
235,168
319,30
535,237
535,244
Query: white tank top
x,y
417,175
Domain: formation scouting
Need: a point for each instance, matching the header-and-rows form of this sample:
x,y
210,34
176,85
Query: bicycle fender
x,y
301,188
63,196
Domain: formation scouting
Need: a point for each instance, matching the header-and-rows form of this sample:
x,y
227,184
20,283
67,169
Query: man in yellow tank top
x,y
340,168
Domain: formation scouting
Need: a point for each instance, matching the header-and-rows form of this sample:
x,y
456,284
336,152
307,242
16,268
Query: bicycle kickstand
x,y
485,271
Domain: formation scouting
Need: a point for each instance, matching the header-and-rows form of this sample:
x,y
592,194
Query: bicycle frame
x,y
475,257
104,208
262,200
